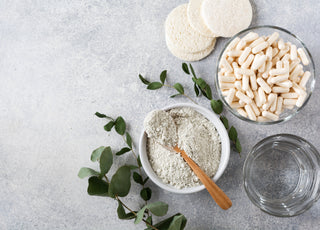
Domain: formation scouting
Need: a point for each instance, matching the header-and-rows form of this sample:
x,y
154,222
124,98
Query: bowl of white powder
x,y
201,135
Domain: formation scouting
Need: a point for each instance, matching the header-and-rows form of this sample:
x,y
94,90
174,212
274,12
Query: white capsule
x,y
243,71
293,52
267,69
275,51
270,115
262,68
230,59
264,85
303,56
242,112
226,65
253,82
247,62
289,95
279,89
245,82
230,95
290,101
250,112
271,99
255,108
262,119
233,43
281,44
298,89
242,103
279,78
235,105
286,84
243,97
244,55
258,61
295,73
301,100
275,60
293,64
279,65
279,105
227,78
262,96
256,42
283,52
234,53
285,57
287,106
259,47
226,85
238,85
269,53
273,38
274,104
278,71
305,79
242,43
250,37
249,93
286,65
256,98
224,92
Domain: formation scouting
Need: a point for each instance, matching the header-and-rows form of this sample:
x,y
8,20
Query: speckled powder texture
x,y
200,140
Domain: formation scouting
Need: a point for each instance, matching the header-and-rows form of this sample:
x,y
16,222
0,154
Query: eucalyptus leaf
x,y
208,92
196,90
146,193
216,106
158,208
122,214
120,125
123,151
137,178
179,88
233,135
174,95
201,83
139,216
106,160
132,167
155,85
192,71
225,122
164,224
178,223
139,161
163,76
238,146
129,140
101,115
97,153
97,187
120,182
145,180
85,172
143,80
109,126
149,220
185,68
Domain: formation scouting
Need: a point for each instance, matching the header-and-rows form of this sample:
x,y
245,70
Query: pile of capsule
x,y
262,76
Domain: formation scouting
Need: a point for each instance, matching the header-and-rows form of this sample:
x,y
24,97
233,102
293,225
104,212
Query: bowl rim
x,y
312,70
245,176
225,150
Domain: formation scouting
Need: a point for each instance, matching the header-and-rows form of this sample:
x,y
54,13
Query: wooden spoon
x,y
217,194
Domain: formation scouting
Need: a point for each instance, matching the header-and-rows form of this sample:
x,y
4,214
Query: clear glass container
x,y
287,37
282,175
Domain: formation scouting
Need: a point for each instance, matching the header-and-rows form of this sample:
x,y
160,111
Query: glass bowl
x,y
282,175
287,37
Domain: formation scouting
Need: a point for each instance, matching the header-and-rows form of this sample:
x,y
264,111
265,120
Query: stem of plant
x,y
185,95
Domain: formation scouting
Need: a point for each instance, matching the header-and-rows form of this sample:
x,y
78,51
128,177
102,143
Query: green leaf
x,y
158,208
120,182
146,193
144,81
204,87
132,167
192,71
122,214
137,178
179,88
155,85
163,76
217,106
85,172
164,224
120,125
129,140
196,90
123,151
149,220
109,126
101,115
233,134
172,96
208,92
97,153
139,161
185,68
194,80
139,216
238,146
201,83
145,180
106,160
225,122
178,222
97,187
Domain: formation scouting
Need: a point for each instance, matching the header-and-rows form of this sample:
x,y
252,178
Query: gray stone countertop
x,y
61,61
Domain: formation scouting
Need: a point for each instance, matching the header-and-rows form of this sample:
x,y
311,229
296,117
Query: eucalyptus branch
x,y
182,94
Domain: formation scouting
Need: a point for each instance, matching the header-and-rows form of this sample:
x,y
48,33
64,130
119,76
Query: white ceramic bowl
x,y
225,150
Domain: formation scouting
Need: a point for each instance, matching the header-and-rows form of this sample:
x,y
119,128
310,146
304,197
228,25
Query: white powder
x,y
198,137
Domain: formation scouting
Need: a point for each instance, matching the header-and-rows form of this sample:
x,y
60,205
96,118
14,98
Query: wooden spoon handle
x,y
217,194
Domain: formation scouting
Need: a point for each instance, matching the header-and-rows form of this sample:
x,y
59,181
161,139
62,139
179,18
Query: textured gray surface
x,y
61,61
